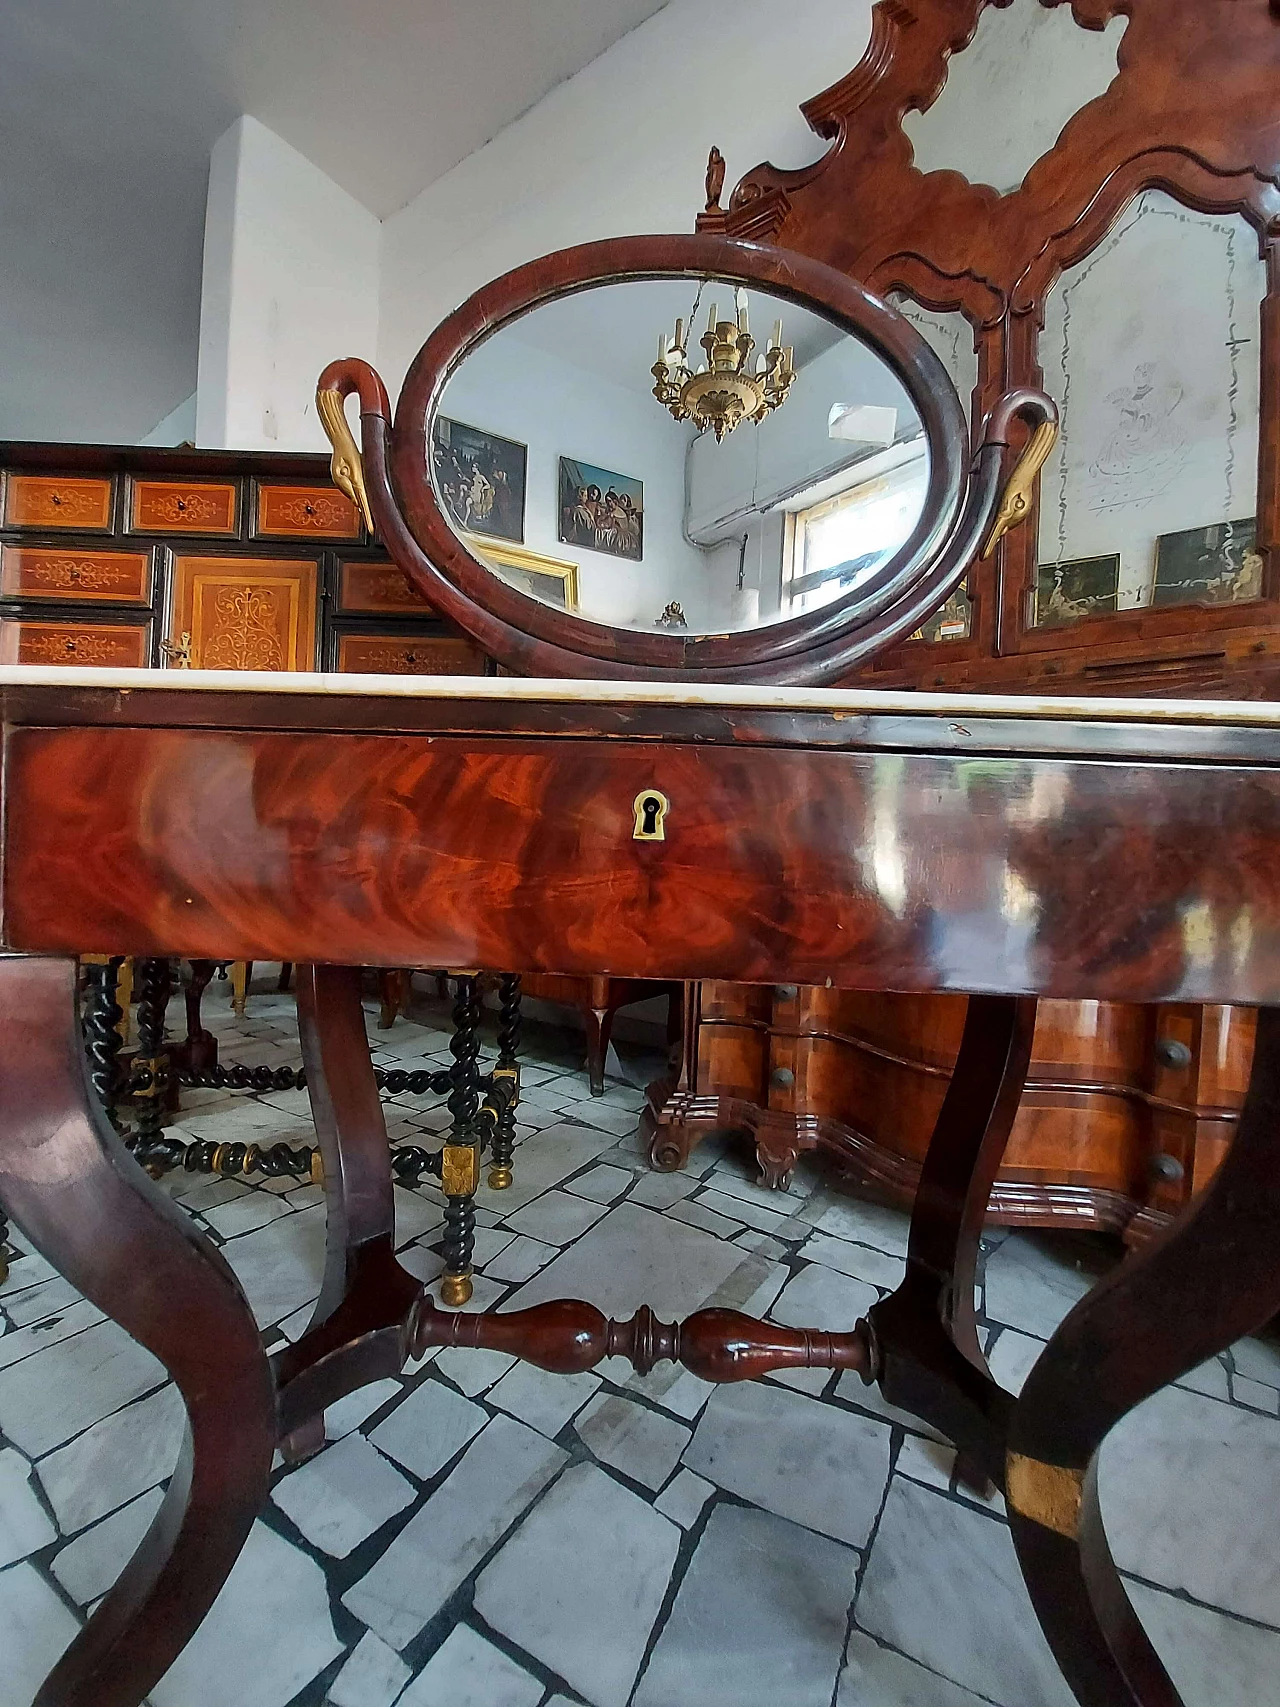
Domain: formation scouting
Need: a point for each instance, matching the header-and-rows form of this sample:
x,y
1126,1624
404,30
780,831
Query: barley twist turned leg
x,y
152,1064
460,1160
504,1138
101,1025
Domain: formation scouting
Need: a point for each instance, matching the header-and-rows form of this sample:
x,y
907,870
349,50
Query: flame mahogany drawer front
x,y
437,848
414,655
308,512
170,506
49,501
377,589
62,572
122,646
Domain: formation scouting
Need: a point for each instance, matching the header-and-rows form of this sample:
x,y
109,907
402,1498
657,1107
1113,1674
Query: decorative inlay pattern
x,y
378,587
246,613
387,655
314,510
29,572
54,643
46,501
161,504
246,630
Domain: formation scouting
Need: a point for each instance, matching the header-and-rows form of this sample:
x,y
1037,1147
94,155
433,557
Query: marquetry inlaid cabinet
x,y
219,560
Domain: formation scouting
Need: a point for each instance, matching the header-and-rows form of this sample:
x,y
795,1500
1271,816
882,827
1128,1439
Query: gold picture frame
x,y
554,580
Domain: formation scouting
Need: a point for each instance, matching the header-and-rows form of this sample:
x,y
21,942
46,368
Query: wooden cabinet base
x,y
1126,1113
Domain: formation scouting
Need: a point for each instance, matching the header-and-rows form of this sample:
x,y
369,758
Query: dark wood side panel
x,y
413,851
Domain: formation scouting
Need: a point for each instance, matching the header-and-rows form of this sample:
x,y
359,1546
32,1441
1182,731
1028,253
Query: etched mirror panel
x,y
679,453
1151,349
1027,71
951,338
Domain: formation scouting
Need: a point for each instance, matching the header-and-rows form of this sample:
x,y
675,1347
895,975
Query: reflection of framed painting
x,y
951,622
1071,591
549,579
600,511
479,478
1219,565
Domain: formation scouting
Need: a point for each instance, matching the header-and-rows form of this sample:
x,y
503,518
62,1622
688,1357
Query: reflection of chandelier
x,y
725,391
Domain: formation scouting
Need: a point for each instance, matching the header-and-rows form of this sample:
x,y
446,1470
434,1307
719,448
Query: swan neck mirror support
x,y
777,510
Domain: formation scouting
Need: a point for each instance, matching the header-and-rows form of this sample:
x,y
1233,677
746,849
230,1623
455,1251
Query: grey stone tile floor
x,y
481,1534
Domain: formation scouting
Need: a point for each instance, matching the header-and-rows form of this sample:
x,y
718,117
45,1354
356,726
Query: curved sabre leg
x,y
364,1287
88,1207
1210,1278
931,1361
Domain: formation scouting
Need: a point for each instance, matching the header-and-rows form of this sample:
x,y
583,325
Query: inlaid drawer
x,y
304,512
396,655
62,572
171,506
49,501
246,613
377,589
107,646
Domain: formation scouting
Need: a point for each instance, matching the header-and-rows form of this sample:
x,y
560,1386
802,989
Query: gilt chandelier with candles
x,y
727,389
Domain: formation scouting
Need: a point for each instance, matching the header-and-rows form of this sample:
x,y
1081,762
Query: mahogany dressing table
x,y
679,805
336,824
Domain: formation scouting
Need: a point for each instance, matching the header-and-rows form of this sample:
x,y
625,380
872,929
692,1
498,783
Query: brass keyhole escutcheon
x,y
651,808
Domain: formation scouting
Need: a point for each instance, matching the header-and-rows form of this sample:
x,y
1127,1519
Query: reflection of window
x,y
842,541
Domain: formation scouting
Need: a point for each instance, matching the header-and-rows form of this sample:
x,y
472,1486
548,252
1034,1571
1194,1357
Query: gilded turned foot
x,y
455,1290
500,1178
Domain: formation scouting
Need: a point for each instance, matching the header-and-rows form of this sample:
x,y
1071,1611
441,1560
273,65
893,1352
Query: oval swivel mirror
x,y
664,456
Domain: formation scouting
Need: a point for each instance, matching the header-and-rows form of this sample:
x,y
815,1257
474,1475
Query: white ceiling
x,y
108,110
612,332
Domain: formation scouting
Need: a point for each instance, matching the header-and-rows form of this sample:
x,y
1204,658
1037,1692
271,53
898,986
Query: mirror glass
x,y
782,465
1151,349
1028,70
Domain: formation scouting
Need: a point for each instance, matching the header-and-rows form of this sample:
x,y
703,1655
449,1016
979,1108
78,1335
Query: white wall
x,y
556,409
290,283
621,147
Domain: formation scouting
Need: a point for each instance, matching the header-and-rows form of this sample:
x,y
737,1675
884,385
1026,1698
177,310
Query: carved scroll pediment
x,y
1197,76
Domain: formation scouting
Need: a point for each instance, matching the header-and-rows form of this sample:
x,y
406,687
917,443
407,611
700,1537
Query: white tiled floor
x,y
481,1534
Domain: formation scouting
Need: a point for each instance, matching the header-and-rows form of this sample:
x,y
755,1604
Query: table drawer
x,y
408,655
171,506
105,645
50,501
304,512
86,577
377,589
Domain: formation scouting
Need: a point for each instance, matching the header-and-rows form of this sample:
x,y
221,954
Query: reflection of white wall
x,y
1151,350
509,386
951,338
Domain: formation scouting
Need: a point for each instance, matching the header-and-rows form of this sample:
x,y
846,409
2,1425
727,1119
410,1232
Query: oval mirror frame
x,y
813,647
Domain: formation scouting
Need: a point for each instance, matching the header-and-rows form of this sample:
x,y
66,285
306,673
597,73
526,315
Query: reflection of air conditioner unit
x,y
862,423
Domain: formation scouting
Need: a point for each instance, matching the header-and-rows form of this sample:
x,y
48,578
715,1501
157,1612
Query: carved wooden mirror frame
x,y
1191,112
392,480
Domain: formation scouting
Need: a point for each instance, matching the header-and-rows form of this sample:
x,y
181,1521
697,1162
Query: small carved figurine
x,y
715,179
